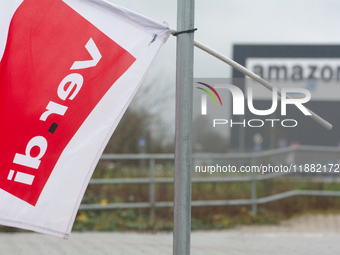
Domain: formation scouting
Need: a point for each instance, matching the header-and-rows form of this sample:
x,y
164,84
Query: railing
x,y
298,155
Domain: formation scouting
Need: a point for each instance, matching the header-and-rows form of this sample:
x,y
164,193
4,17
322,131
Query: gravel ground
x,y
318,234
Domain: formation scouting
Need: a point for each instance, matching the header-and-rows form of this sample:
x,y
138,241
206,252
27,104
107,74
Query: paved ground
x,y
305,235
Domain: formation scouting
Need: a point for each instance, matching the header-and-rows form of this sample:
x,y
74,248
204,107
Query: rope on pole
x,y
184,32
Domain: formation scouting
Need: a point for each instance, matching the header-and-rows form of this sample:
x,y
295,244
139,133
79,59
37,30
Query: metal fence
x,y
325,161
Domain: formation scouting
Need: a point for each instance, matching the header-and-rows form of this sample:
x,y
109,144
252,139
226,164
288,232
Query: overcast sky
x,y
222,23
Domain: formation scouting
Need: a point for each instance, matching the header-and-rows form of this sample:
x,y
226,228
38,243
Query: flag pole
x,y
183,140
257,78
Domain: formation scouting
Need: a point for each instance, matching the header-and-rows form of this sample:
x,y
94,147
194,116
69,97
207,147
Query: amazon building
x,y
293,69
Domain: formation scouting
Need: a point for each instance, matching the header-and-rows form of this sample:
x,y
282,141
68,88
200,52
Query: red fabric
x,y
45,39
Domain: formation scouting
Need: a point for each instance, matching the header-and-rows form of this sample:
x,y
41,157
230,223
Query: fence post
x,y
254,194
152,191
253,188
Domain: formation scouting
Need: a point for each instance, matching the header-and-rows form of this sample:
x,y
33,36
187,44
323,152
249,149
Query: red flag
x,y
68,71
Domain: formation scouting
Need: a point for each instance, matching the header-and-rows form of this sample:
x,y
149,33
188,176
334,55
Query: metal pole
x,y
183,140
